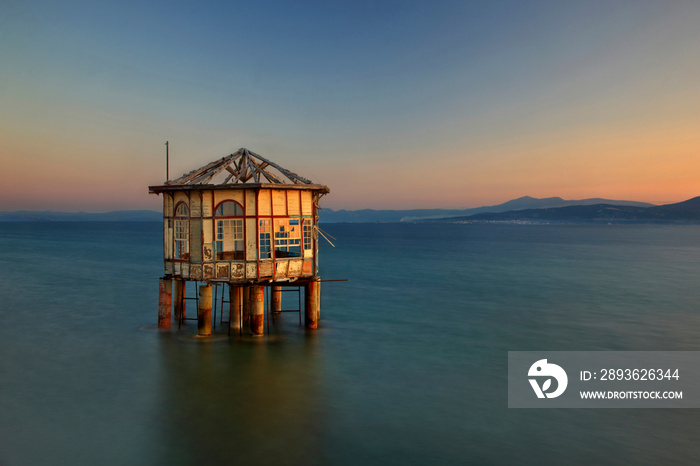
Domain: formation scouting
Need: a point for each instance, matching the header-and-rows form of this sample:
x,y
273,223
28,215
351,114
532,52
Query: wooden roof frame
x,y
242,166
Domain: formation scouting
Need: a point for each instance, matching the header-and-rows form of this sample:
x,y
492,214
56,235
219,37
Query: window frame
x,y
265,241
233,225
288,238
307,236
181,232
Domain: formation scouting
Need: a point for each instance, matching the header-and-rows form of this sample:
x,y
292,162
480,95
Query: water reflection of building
x,y
259,404
244,221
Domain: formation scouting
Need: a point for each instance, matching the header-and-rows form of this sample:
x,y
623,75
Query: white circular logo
x,y
544,371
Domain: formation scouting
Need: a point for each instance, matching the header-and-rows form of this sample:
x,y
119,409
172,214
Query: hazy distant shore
x,y
522,210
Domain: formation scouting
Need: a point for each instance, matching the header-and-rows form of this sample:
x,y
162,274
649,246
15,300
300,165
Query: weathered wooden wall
x,y
273,205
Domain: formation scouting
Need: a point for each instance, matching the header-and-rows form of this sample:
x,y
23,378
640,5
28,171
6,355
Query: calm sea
x,y
409,365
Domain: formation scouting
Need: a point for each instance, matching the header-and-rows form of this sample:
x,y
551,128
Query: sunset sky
x,y
393,105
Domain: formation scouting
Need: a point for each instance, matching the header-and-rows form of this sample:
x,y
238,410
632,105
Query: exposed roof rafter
x,y
241,167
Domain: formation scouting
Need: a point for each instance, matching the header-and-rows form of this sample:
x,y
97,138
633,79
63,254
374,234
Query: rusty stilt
x,y
246,305
204,311
236,316
184,299
311,295
257,310
318,301
165,288
178,301
276,299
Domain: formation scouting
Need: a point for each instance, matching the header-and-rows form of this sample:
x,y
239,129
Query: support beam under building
x,y
204,311
257,310
246,305
179,287
236,309
276,299
311,304
165,287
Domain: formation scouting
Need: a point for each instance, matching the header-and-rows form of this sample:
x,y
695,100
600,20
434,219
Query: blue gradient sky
x,y
391,104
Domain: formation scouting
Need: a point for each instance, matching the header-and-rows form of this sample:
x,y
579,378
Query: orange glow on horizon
x,y
449,115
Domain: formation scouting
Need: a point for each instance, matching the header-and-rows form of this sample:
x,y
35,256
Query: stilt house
x,y
242,220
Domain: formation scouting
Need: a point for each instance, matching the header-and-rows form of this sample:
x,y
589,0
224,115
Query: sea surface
x,y
408,367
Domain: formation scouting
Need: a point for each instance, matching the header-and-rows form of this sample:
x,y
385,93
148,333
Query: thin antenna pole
x,y
167,161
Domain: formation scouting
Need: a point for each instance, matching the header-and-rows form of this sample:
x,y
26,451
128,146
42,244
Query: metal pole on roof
x,y
167,161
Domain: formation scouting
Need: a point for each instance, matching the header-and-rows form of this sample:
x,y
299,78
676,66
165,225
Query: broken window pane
x,y
265,245
287,238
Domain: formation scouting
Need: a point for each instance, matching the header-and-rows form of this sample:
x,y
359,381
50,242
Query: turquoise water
x,y
409,365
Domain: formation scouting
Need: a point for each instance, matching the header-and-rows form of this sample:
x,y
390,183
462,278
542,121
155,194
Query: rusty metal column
x,y
184,299
178,301
257,310
275,299
318,301
311,296
204,311
236,304
165,289
246,306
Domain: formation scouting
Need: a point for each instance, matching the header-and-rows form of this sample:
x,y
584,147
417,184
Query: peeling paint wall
x,y
279,203
251,239
307,206
195,205
264,203
195,240
229,195
294,203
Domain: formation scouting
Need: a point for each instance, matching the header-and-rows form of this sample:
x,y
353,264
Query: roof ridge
x,y
241,166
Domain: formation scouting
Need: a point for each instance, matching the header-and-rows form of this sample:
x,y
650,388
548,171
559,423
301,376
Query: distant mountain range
x,y
681,212
522,203
524,209
116,216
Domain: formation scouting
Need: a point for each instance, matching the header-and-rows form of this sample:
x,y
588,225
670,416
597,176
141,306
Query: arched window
x,y
182,231
229,231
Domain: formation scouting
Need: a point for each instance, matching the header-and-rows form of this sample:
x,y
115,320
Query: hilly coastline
x,y
522,210
681,212
413,215
115,216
